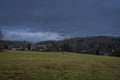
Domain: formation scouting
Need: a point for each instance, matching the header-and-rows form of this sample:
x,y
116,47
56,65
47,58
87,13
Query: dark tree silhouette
x,y
1,38
1,35
29,46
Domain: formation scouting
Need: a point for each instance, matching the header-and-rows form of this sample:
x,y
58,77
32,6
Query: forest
x,y
99,45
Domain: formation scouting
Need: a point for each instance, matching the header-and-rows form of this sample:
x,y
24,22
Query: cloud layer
x,y
33,36
64,17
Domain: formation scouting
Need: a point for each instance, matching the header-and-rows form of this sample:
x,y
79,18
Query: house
x,y
84,51
104,53
33,47
16,47
42,48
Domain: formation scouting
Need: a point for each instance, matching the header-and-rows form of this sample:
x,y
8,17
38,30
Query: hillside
x,y
99,45
25,65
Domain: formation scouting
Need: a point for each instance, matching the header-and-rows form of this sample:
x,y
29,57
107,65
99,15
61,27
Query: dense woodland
x,y
100,45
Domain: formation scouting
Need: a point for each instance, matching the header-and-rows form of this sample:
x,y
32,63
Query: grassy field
x,y
57,66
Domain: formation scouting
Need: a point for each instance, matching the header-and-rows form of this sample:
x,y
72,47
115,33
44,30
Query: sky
x,y
39,20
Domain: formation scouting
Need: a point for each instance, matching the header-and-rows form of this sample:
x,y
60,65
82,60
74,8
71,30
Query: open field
x,y
19,65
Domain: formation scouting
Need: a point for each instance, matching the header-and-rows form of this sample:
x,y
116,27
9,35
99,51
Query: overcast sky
x,y
37,20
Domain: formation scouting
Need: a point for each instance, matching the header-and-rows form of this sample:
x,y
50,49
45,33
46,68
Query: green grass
x,y
19,65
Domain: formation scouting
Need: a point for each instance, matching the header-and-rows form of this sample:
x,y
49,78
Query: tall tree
x,y
1,35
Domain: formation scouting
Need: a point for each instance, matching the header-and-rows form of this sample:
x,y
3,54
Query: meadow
x,y
29,65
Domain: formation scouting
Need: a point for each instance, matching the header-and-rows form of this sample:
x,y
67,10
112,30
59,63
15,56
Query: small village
x,y
23,46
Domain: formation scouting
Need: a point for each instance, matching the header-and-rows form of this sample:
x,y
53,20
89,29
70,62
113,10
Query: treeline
x,y
7,45
100,45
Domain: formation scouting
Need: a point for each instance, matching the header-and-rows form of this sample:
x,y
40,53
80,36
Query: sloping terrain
x,y
24,65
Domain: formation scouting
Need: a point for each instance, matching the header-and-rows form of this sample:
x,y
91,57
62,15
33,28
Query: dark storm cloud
x,y
65,17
